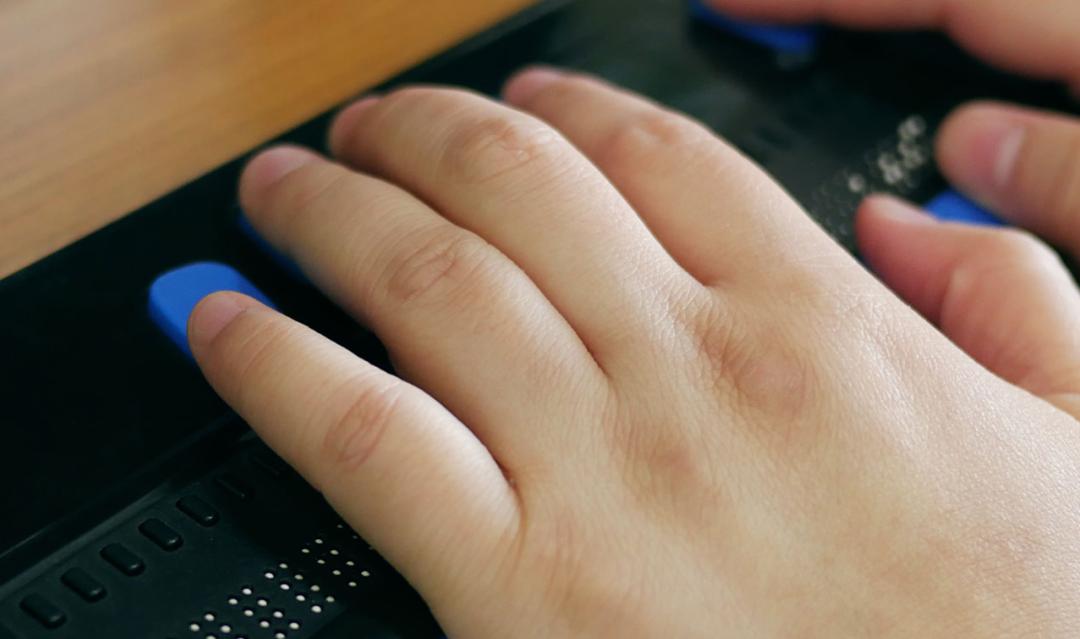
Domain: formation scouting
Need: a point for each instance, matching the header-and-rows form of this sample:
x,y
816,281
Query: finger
x,y
1038,38
514,181
999,294
400,469
712,209
1023,164
458,318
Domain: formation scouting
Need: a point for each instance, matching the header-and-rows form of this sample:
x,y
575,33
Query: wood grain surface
x,y
106,105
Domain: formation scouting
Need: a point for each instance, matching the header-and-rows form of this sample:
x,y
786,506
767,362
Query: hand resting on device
x,y
643,395
1002,296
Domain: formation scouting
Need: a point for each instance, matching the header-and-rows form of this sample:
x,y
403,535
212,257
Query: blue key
x,y
950,206
782,38
174,294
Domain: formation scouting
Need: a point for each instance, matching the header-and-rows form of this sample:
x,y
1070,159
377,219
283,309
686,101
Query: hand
x,y
646,396
1000,295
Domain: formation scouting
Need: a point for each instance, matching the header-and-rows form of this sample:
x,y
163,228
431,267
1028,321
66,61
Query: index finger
x,y
1036,38
411,478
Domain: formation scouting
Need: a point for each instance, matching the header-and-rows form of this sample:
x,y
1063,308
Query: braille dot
x,y
318,540
245,591
364,573
208,616
268,574
211,636
285,586
330,599
352,584
248,612
321,562
350,563
294,625
279,614
279,635
300,597
264,623
334,552
283,566
262,602
298,577
337,573
315,588
341,526
194,627
233,601
306,551
316,609
226,628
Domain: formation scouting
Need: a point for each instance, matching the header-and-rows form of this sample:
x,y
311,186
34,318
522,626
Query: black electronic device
x,y
134,504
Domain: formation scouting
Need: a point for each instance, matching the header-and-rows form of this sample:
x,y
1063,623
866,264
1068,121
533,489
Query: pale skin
x,y
640,394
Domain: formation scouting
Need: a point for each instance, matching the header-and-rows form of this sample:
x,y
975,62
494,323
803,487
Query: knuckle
x,y
668,460
753,367
489,148
649,136
249,349
722,345
253,344
353,436
449,265
303,193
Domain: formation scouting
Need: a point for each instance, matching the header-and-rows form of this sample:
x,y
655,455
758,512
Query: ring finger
x,y
455,314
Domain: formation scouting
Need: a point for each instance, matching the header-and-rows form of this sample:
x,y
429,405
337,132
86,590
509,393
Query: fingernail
x,y
213,313
524,85
897,210
269,167
989,139
1004,146
345,122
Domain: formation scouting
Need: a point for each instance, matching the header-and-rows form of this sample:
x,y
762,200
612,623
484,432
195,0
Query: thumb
x,y
1001,295
1023,164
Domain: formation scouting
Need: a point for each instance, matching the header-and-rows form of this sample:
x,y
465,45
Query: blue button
x,y
950,206
783,38
174,294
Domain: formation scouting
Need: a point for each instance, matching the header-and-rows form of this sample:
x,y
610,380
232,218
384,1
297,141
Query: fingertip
x,y
899,243
344,124
524,85
893,210
269,167
212,314
881,222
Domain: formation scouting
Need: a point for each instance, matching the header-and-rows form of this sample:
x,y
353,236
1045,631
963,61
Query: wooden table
x,y
106,105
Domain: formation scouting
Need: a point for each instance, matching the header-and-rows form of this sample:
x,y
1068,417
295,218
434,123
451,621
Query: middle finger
x,y
516,182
